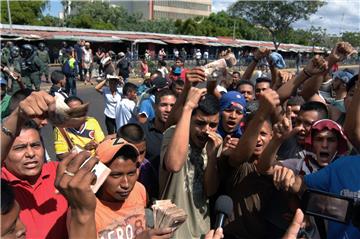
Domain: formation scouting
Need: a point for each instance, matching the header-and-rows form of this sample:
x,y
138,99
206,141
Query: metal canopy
x,y
149,41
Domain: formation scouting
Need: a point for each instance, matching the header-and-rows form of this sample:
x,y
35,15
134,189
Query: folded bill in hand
x,y
167,214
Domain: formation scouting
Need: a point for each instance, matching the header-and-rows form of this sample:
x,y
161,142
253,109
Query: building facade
x,y
170,9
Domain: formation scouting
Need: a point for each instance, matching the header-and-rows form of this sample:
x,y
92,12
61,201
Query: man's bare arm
x,y
269,100
177,150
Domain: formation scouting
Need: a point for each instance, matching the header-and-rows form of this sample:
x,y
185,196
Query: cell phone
x,y
100,170
327,205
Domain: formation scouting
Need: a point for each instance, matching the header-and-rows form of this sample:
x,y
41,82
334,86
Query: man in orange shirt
x,y
121,200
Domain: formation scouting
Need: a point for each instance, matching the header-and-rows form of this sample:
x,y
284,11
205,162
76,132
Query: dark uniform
x,y
43,54
31,67
15,65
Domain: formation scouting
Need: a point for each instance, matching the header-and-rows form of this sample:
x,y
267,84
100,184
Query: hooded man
x,y
324,144
232,111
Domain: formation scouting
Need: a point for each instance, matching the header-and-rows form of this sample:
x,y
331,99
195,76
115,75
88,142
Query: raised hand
x,y
341,51
261,53
36,105
283,129
194,96
74,182
196,75
229,145
269,101
214,142
283,178
285,76
316,66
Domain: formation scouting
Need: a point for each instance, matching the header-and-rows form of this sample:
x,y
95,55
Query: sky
x,y
336,16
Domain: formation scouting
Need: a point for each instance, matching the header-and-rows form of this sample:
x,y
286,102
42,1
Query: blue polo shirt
x,y
147,107
342,178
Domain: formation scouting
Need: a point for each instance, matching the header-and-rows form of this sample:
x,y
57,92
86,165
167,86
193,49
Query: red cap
x,y
330,125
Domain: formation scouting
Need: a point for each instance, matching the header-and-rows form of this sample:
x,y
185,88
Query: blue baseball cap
x,y
344,76
278,60
233,99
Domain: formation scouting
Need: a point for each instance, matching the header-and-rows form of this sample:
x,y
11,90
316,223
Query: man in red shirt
x,y
41,210
178,71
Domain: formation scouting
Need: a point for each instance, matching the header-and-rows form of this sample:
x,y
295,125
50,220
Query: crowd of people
x,y
178,136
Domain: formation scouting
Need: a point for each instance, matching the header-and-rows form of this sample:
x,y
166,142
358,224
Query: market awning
x,y
149,41
214,44
176,41
17,37
87,38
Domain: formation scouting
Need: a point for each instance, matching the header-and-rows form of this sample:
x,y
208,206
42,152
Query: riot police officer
x,y
15,68
43,54
5,52
31,67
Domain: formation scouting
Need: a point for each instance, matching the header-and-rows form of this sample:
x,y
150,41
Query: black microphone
x,y
223,209
149,216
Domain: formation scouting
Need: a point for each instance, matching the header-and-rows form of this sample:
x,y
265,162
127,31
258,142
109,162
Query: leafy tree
x,y
316,36
49,21
275,16
352,37
23,12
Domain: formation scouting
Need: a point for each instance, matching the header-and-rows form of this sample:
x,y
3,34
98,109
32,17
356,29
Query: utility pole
x,y
9,15
234,29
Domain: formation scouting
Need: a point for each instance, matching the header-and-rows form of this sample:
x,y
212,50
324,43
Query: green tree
x,y
352,37
23,12
316,36
275,16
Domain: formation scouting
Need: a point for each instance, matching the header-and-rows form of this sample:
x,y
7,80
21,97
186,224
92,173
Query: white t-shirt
x,y
198,55
164,71
111,100
206,55
124,111
87,55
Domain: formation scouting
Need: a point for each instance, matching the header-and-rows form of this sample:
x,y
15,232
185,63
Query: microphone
x,y
223,209
149,216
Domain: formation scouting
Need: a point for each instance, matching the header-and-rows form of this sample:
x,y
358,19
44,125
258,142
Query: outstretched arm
x,y
258,55
99,86
176,152
316,65
281,131
269,100
193,77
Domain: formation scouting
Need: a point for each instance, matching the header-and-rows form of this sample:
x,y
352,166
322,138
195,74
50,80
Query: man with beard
x,y
188,163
